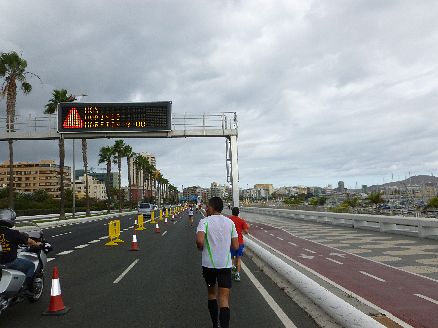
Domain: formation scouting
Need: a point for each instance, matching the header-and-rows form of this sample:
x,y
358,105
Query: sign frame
x,y
104,107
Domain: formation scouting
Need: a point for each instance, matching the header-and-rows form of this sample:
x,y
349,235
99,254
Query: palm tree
x,y
129,154
12,69
375,198
105,156
118,148
59,96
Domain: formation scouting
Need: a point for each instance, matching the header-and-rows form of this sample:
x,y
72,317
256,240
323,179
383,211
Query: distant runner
x,y
191,215
241,227
214,236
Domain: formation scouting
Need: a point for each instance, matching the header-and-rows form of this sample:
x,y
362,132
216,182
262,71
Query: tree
x,y
433,202
129,154
59,96
105,156
118,152
12,69
375,198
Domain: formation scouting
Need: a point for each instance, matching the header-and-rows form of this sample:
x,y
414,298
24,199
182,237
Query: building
x,y
269,188
216,190
30,177
140,183
341,186
101,176
192,193
96,188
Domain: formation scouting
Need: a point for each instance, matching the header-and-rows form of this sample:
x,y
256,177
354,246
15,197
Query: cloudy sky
x,y
324,90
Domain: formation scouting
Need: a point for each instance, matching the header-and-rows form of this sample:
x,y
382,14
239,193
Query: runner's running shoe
x,y
237,276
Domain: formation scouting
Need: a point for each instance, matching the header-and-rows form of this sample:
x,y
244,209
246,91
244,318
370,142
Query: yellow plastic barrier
x,y
140,223
161,215
167,212
152,221
114,233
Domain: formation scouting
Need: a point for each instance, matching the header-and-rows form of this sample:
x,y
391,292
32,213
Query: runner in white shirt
x,y
214,236
191,215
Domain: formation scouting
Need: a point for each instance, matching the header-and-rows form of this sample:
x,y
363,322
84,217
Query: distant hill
x,y
417,180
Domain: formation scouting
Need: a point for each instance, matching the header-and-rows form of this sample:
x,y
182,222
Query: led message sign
x,y
114,117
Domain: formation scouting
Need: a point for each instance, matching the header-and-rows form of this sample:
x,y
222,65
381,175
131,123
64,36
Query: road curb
x,y
79,220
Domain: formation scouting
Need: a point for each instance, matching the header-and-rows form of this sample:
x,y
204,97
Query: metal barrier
x,y
417,227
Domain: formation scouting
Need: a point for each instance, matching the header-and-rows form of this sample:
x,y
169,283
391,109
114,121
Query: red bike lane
x,y
409,297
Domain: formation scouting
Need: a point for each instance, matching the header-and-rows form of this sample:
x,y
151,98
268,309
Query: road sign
x,y
114,117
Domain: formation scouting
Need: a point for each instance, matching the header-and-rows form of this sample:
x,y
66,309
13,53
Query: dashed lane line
x,y
280,238
427,298
94,241
82,246
50,259
104,237
125,272
371,276
65,252
164,233
309,250
272,234
268,298
293,244
328,258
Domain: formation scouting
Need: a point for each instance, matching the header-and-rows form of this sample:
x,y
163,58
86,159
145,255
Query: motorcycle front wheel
x,y
37,288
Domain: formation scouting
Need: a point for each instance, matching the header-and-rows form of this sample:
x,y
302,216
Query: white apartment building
x,y
96,189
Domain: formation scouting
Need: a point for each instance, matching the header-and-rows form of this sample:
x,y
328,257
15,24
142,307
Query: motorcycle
x,y
12,287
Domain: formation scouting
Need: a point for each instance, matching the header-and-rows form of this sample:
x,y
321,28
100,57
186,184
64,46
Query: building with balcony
x,y
29,177
96,188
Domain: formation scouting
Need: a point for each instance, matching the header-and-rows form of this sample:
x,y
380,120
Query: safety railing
x,y
418,227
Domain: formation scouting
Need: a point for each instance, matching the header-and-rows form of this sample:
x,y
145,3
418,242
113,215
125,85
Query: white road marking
x,y
65,252
374,277
427,298
94,241
81,246
131,227
280,238
309,250
125,272
175,222
304,256
265,230
50,259
104,237
271,234
334,260
338,254
164,233
292,243
268,298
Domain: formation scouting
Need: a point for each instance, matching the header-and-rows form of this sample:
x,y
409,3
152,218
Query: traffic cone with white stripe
x,y
165,219
134,244
157,228
56,306
173,217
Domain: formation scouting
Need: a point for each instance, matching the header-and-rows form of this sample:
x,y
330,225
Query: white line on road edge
x,y
310,251
125,272
374,277
427,298
94,241
164,233
328,258
343,313
65,252
268,298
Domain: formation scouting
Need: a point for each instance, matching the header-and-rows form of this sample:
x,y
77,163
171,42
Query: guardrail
x,y
418,227
54,216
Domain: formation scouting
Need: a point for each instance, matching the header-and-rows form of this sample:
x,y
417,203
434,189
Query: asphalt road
x,y
164,288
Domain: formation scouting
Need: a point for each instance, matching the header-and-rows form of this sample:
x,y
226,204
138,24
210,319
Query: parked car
x,y
145,209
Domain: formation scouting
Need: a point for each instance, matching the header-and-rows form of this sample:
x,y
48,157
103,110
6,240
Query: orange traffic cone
x,y
165,219
56,306
157,228
134,245
173,217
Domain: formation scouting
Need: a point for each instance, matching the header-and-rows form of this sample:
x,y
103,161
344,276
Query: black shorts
x,y
223,277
